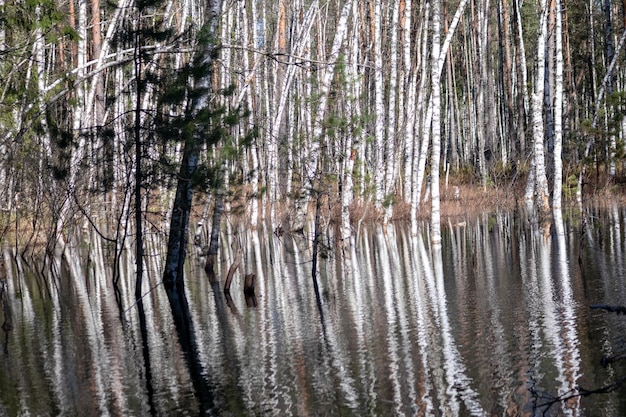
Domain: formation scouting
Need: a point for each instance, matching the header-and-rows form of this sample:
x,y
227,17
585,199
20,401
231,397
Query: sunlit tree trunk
x,y
483,120
251,98
298,48
81,60
353,111
7,197
435,219
410,75
522,80
390,148
96,46
379,106
540,189
323,91
3,30
558,109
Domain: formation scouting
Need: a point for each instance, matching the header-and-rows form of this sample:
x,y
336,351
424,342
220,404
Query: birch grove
x,y
365,105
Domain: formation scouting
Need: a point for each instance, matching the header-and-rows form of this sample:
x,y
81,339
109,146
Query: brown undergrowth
x,y
460,200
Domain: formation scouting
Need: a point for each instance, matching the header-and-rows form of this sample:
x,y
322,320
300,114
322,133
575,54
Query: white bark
x,y
81,60
390,148
253,207
522,56
417,169
558,109
312,158
350,154
540,179
435,219
3,34
105,49
410,72
298,48
379,107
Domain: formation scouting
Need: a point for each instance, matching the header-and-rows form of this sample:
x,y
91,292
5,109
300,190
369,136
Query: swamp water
x,y
496,323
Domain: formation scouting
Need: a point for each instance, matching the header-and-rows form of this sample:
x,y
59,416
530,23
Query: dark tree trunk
x,y
173,278
179,225
218,209
138,164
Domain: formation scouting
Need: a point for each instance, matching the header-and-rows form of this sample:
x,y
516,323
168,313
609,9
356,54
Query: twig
x,y
578,393
141,298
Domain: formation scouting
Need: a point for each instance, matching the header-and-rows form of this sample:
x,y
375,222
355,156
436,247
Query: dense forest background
x,y
359,107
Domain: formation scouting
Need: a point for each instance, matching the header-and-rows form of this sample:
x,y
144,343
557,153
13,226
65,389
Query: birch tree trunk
x,y
410,72
3,30
350,153
379,107
558,109
540,187
390,151
298,48
435,219
318,130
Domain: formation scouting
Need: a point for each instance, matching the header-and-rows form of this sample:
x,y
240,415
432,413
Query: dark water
x,y
495,323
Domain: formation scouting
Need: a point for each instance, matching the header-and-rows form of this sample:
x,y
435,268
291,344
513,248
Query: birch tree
x,y
312,165
379,106
558,109
435,220
539,180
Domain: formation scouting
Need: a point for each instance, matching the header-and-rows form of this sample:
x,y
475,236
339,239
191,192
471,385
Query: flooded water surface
x,y
496,322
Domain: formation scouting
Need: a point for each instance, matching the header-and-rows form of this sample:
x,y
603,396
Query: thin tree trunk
x,y
417,169
435,219
558,109
390,144
379,107
138,159
410,71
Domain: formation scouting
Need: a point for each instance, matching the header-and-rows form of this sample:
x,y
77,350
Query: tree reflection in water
x,y
496,321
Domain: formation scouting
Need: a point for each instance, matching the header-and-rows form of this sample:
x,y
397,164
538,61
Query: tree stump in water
x,y
209,268
248,284
248,290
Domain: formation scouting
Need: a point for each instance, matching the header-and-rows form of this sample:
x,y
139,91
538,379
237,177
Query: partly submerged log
x,y
231,271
